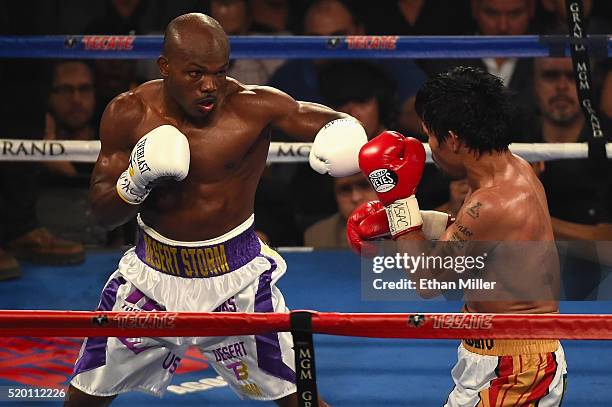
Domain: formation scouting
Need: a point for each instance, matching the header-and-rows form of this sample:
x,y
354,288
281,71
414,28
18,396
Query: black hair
x,y
469,102
341,82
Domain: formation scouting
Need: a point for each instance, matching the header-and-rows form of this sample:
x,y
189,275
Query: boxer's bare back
x,y
507,203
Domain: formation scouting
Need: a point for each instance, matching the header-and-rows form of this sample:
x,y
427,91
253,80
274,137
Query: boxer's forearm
x,y
108,208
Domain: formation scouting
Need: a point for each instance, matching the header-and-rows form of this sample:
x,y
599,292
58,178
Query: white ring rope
x,y
87,151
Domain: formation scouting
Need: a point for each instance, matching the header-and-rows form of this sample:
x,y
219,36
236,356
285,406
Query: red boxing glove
x,y
367,222
394,165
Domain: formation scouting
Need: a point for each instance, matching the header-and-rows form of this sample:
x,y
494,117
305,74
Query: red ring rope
x,y
416,326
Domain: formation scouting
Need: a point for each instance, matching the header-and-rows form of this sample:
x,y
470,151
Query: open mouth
x,y
206,104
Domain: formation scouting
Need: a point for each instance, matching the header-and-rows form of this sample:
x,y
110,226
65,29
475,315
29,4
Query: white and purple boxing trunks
x,y
232,273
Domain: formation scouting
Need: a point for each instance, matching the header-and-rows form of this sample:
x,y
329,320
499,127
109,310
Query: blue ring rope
x,y
296,47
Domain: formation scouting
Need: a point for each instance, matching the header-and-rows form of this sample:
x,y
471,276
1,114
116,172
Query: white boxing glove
x,y
161,153
335,149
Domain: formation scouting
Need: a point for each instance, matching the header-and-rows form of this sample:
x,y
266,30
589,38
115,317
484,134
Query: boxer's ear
x,y
162,63
454,142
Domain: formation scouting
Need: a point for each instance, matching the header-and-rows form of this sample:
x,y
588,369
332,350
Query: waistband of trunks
x,y
510,347
203,259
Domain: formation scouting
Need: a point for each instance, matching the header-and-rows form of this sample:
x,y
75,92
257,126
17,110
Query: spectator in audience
x,y
349,193
497,17
508,17
580,205
71,106
557,24
63,204
579,194
235,18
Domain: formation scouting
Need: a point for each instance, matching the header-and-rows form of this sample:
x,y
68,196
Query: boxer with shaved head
x,y
184,154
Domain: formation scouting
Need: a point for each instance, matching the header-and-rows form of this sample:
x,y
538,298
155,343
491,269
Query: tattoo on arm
x,y
474,210
464,230
460,236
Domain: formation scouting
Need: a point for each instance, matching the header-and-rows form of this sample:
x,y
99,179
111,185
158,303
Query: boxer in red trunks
x,y
465,117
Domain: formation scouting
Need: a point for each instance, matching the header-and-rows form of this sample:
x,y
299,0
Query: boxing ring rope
x,y
87,151
306,47
401,325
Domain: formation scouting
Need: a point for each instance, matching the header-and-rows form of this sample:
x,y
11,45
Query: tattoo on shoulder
x,y
474,210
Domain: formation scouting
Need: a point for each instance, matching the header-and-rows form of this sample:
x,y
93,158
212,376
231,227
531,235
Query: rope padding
x,y
414,326
301,47
87,151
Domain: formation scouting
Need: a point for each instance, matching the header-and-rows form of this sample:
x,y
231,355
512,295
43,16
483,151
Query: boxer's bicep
x,y
300,120
471,229
304,122
119,121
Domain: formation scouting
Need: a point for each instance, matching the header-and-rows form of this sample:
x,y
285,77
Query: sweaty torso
x,y
524,262
228,155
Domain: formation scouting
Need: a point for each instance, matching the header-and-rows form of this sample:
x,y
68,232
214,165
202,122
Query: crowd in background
x,y
46,215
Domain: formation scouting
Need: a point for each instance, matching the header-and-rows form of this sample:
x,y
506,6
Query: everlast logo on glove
x,y
383,180
139,155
